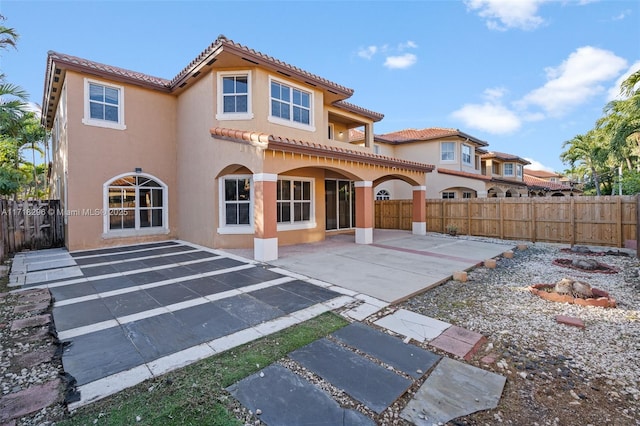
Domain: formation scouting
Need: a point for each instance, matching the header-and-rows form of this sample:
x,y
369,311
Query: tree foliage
x,y
597,157
20,132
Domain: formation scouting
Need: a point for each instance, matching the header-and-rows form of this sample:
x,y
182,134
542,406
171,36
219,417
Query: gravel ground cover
x,y
556,374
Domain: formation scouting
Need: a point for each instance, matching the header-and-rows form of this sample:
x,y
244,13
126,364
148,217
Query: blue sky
x,y
523,75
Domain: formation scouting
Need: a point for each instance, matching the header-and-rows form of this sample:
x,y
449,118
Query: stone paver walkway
x,y
375,369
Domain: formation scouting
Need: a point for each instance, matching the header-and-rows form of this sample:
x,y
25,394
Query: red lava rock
x,y
573,321
489,359
601,298
30,400
459,341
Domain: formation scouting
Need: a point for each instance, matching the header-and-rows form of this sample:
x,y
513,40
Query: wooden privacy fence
x,y
31,224
604,221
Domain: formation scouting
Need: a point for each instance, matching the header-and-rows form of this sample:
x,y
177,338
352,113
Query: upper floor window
x,y
466,154
234,96
449,195
508,169
294,201
447,151
495,168
103,105
291,105
519,170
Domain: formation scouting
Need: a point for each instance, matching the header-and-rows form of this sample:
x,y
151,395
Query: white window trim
x,y
290,123
442,151
87,120
331,131
308,224
470,162
156,230
504,170
221,115
225,229
519,170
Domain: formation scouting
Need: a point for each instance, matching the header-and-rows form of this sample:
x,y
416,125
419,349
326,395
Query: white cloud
x,y
575,81
495,93
536,165
367,52
622,15
400,62
614,91
491,117
502,15
394,59
408,45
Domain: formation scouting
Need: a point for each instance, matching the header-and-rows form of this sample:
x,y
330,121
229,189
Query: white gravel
x,y
497,303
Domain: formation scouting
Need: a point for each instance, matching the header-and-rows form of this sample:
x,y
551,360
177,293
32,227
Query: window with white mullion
x,y
294,199
466,154
447,151
235,94
290,104
237,201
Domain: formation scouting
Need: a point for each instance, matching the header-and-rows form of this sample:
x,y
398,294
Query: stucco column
x,y
265,219
419,210
364,212
368,135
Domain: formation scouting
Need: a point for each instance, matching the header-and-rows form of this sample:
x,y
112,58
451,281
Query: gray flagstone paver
x,y
408,358
452,390
364,380
284,398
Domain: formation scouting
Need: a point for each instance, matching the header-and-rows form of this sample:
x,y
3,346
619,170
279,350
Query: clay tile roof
x,y
503,156
225,43
464,174
73,62
294,145
375,116
540,173
416,135
355,135
535,182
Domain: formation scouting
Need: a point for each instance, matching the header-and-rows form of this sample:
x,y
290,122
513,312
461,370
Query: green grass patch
x,y
195,395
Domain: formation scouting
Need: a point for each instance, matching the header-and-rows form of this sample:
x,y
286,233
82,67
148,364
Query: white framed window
x,y
519,170
236,204
383,194
330,131
103,105
135,205
290,105
234,95
466,154
507,169
376,149
295,203
448,151
448,195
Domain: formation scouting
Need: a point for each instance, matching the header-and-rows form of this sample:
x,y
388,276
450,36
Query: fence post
x,y
572,222
619,236
501,217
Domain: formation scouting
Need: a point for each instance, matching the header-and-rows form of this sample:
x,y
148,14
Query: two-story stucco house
x,y
238,150
464,167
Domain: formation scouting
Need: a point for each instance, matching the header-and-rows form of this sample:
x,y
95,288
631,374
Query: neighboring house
x,y
548,184
464,168
238,150
507,174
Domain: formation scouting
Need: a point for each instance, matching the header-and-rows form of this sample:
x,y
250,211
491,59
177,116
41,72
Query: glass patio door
x,y
340,204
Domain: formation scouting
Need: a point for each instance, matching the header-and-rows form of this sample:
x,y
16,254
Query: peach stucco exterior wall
x,y
96,155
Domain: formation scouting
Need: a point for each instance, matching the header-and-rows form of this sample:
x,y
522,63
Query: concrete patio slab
x,y
364,380
415,326
452,390
298,402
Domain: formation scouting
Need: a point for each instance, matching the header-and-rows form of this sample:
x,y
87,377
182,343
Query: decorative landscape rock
x,y
587,265
597,298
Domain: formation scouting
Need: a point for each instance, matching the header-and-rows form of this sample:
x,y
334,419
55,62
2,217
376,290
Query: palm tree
x,y
8,36
586,152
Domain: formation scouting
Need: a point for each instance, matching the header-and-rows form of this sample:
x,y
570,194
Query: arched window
x,y
135,204
383,194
